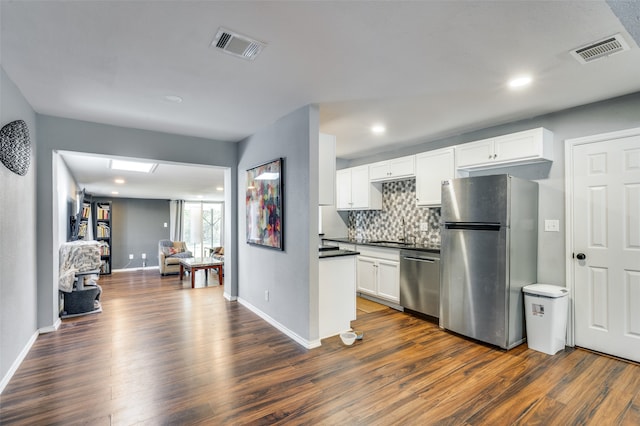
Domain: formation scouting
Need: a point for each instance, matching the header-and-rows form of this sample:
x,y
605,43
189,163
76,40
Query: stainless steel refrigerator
x,y
489,230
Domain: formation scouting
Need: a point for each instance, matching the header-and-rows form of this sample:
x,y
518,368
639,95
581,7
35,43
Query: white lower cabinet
x,y
337,295
389,280
367,275
378,273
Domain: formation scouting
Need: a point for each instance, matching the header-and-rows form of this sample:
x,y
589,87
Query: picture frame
x,y
264,205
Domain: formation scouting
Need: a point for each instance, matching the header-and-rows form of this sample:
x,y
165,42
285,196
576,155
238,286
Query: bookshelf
x,y
103,233
80,228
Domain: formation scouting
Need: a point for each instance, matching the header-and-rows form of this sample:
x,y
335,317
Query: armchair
x,y
169,255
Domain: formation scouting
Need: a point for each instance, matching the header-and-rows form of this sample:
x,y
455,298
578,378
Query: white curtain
x,y
176,217
196,229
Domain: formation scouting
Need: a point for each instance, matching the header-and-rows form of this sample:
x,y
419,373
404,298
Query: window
x,y
203,226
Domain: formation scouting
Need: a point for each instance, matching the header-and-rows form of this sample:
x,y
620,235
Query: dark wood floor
x,y
162,353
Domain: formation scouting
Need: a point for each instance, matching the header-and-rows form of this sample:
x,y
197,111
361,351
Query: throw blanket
x,y
77,256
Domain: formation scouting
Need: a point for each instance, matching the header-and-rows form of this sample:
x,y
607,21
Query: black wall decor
x,y
15,147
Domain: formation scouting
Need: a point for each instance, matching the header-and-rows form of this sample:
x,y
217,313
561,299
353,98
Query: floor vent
x,y
600,49
237,45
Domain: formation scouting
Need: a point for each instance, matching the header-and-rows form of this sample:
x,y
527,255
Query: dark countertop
x,y
324,254
430,248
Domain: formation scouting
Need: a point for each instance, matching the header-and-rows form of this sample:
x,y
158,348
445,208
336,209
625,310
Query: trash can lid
x,y
546,290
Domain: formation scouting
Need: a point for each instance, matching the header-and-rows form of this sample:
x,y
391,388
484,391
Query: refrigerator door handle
x,y
473,226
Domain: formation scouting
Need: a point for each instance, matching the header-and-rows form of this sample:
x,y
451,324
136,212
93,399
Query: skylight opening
x,y
133,166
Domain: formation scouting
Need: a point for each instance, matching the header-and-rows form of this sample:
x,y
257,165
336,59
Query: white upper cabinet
x,y
432,168
355,191
395,169
326,169
343,189
529,146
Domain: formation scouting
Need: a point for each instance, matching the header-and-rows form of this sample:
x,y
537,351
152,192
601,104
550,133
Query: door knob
x,y
581,256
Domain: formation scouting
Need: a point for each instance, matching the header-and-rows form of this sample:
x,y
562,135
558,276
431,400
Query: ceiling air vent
x,y
237,44
600,49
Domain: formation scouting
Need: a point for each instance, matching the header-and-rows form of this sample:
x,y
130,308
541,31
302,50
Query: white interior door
x,y
606,244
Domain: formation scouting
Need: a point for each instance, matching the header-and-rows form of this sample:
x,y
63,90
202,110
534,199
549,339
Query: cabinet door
x,y
389,280
343,189
379,171
474,153
431,169
518,146
360,187
366,275
326,170
402,167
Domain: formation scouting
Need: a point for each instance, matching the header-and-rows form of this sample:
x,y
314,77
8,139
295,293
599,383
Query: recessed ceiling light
x,y
173,99
119,180
378,129
133,166
519,82
114,192
219,188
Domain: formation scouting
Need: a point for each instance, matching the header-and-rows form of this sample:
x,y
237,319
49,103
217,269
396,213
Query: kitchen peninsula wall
x,y
398,203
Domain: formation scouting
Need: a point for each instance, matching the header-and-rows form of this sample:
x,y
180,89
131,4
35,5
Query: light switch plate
x,y
424,226
552,225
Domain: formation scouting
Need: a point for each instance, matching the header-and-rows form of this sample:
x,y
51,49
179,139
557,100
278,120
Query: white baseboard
x,y
21,356
51,328
229,297
308,344
139,268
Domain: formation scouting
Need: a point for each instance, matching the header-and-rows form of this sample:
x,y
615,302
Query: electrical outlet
x,y
144,255
552,225
424,226
131,257
165,224
266,295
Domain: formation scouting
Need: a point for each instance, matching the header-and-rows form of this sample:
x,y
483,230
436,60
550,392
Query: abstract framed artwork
x,y
264,205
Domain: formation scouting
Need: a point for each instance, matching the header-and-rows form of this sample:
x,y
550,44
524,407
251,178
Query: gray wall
x,y
81,136
136,228
607,116
290,276
18,305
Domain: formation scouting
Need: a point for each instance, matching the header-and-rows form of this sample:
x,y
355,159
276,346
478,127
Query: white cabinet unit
x,y
378,273
366,275
432,168
389,280
326,169
337,294
355,192
395,169
529,146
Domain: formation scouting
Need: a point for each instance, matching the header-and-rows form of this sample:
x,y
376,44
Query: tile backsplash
x,y
398,203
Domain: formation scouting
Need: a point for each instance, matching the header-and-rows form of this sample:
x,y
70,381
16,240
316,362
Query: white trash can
x,y
545,307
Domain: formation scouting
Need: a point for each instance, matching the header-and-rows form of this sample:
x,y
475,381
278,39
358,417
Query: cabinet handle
x,y
495,155
489,157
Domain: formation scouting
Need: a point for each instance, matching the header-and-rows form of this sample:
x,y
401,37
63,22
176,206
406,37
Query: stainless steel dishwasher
x,y
420,282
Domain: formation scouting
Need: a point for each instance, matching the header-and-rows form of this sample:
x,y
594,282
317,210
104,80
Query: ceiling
x,y
425,69
168,180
